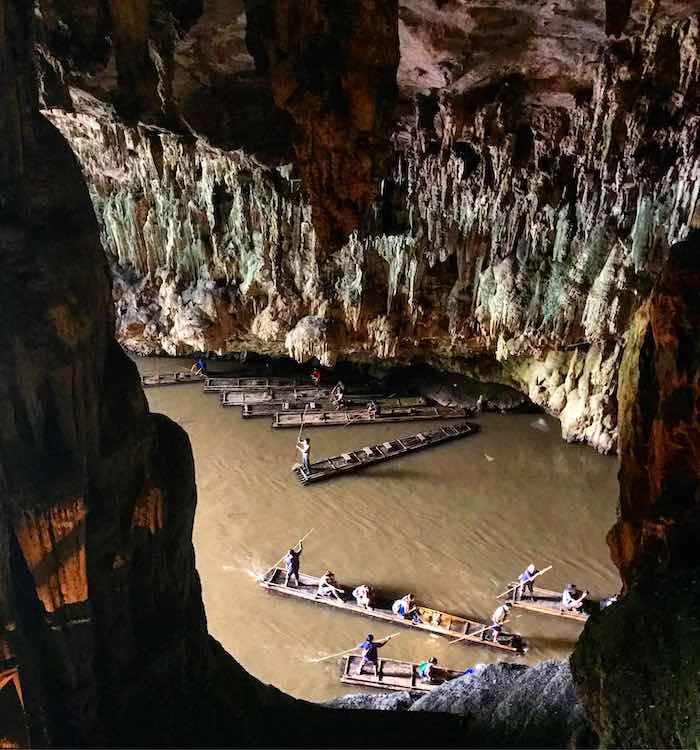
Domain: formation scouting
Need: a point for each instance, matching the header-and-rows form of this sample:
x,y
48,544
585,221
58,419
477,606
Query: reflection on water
x,y
451,524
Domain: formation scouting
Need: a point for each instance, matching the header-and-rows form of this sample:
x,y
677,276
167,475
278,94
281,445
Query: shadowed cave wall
x,y
101,607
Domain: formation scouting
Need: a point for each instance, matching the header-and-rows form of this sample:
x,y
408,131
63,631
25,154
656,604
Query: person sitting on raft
x,y
304,447
369,652
199,367
316,376
364,596
498,618
425,669
373,409
291,563
569,602
406,608
525,581
328,586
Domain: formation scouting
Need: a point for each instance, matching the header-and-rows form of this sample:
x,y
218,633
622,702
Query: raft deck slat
x,y
547,603
169,378
330,418
268,409
433,620
374,454
215,385
270,395
393,675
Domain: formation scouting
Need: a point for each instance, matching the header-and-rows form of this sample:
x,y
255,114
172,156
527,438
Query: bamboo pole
x,y
515,586
472,635
260,578
349,650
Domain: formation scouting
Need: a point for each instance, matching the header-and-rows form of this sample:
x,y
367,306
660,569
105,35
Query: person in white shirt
x,y
304,447
569,602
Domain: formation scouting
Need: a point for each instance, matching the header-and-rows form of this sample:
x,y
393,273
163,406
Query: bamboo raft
x,y
269,408
344,417
374,454
432,620
216,385
282,394
169,378
393,674
546,603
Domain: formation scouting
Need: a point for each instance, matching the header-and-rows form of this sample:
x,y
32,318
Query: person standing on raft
x,y
369,649
304,447
498,618
525,581
291,563
316,376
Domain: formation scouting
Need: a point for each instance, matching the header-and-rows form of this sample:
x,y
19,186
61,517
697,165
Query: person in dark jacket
x,y
291,562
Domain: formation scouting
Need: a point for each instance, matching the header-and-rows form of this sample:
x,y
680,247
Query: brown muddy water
x,y
451,524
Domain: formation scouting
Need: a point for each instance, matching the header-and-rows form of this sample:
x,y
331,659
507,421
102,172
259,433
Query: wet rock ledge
x,y
504,705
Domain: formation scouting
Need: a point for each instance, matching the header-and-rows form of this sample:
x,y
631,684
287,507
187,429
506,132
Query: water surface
x,y
452,524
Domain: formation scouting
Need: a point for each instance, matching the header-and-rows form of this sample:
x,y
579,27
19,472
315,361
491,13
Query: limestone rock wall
x,y
103,637
507,226
652,699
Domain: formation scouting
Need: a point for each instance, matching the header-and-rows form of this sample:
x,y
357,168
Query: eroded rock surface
x,y
537,176
651,699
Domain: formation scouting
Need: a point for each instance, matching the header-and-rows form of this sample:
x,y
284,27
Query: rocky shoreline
x,y
504,705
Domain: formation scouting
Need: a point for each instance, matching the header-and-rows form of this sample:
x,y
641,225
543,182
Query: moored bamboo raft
x,y
431,620
331,418
169,378
282,394
546,602
268,408
393,675
373,454
216,384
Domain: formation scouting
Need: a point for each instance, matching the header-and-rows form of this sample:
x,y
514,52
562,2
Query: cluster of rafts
x,y
301,405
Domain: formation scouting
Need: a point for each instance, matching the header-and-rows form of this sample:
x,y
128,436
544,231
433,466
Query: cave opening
x,y
241,185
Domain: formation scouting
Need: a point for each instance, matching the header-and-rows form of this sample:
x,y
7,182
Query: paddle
x,y
260,578
349,650
515,586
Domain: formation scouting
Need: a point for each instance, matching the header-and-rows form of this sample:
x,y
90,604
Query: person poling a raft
x,y
498,619
529,574
526,579
338,394
369,648
291,563
304,448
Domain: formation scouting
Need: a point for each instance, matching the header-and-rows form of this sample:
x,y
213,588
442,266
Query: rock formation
x,y
536,175
652,700
530,193
103,638
504,705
